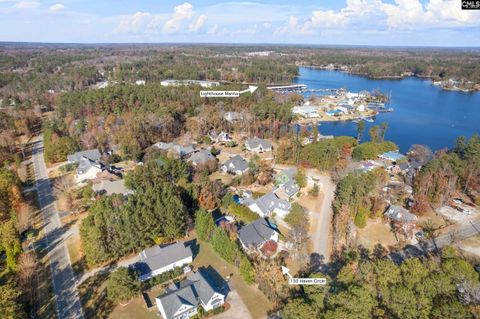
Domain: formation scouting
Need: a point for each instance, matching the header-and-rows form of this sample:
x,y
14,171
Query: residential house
x,y
202,158
286,184
157,260
258,145
179,150
205,84
233,117
222,137
287,190
108,187
257,233
401,219
236,165
93,155
306,111
181,300
268,204
140,82
87,170
393,156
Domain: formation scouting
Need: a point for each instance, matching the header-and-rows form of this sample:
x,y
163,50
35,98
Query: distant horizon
x,y
231,44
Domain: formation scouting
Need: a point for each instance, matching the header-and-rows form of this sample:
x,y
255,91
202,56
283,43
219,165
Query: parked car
x,y
458,201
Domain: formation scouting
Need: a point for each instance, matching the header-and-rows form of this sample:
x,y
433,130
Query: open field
x,y
375,233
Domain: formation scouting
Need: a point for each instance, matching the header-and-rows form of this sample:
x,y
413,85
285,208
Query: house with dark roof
x,y
268,204
258,145
93,155
157,260
257,233
202,158
236,165
181,300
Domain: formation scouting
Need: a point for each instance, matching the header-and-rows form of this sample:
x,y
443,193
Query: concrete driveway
x,y
237,309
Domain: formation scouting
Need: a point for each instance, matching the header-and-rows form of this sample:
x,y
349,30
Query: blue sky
x,y
350,22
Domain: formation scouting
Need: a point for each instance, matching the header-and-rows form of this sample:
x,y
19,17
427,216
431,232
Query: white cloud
x,y
57,7
194,27
181,13
183,20
26,4
377,15
134,23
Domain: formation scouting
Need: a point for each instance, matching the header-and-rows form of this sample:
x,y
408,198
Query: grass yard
x,y
376,232
74,247
93,295
135,309
255,301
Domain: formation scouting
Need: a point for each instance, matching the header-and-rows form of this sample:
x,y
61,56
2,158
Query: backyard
x,y
255,301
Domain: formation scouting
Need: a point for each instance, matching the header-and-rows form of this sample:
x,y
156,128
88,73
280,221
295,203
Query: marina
x,y
423,113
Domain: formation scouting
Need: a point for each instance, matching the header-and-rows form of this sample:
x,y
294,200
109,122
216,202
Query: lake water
x,y
423,113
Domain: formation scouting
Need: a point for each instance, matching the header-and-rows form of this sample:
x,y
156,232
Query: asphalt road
x,y
472,228
66,296
321,236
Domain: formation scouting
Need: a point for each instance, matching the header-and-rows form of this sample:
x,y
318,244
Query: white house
x,y
87,170
258,145
233,117
205,84
157,260
268,204
236,165
181,300
306,111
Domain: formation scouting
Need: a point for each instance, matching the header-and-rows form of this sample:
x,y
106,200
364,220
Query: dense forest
x,y
368,285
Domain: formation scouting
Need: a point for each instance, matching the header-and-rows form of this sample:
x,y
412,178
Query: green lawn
x,y
255,301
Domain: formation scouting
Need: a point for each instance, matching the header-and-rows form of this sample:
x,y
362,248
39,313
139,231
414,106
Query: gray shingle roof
x,y
202,157
197,287
268,203
400,214
291,188
93,155
158,257
256,233
256,142
84,164
236,163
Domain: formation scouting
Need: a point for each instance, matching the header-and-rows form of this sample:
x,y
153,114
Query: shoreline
x,y
391,77
341,118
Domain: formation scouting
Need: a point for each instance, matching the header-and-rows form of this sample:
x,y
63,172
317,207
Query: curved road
x,y
63,280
